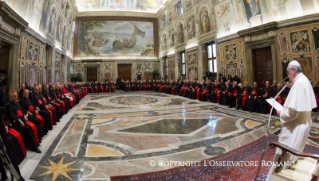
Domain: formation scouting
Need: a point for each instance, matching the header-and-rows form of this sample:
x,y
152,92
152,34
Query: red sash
x,y
31,109
41,119
44,100
20,140
197,92
40,101
19,113
51,115
254,92
34,129
244,98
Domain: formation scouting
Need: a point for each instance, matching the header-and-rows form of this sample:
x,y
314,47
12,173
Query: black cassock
x,y
244,95
233,96
15,113
223,93
27,106
251,101
262,106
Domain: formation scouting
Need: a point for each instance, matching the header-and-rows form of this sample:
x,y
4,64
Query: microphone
x,y
284,79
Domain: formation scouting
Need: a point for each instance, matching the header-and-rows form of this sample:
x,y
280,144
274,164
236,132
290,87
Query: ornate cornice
x,y
11,17
258,29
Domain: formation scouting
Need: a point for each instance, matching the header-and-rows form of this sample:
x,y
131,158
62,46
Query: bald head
x,y
26,93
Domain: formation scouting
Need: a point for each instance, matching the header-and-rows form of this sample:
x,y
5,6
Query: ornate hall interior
x,y
117,131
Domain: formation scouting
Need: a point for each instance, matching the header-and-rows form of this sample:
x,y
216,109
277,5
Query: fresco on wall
x,y
180,33
231,52
33,51
252,8
40,72
300,41
164,42
23,47
188,4
32,74
225,18
204,21
192,73
191,28
116,38
283,44
111,5
231,69
171,38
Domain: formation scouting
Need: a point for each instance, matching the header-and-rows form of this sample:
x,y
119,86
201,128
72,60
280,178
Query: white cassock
x,y
295,118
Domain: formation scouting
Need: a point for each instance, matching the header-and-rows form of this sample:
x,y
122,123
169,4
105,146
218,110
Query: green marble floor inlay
x,y
170,126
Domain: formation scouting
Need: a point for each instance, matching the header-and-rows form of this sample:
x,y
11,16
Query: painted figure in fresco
x,y
172,38
254,7
204,21
52,20
58,30
180,30
33,52
191,28
63,36
63,4
192,73
188,3
170,16
164,42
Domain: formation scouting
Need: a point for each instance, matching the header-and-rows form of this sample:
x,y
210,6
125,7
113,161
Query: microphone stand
x,y
267,132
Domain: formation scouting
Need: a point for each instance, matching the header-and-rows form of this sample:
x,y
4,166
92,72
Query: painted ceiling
x,y
151,6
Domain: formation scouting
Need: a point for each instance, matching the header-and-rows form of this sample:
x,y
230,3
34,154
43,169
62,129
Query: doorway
x,y
4,61
263,65
91,74
124,71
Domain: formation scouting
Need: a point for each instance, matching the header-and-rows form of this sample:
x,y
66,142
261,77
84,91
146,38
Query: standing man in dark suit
x,y
118,82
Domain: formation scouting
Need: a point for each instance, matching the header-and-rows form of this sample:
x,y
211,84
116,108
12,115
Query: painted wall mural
x,y
192,65
283,44
46,17
145,69
204,20
32,74
116,38
233,51
300,41
191,27
31,58
301,45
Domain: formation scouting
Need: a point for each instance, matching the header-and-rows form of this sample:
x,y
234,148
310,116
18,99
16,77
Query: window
x,y
183,64
179,8
211,57
163,21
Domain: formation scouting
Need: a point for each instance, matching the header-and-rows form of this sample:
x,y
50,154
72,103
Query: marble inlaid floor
x,y
122,133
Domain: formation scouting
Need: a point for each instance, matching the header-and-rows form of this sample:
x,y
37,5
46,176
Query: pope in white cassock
x,y
295,118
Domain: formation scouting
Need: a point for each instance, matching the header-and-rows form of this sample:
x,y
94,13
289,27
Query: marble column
x,y
178,58
12,67
64,70
202,63
50,64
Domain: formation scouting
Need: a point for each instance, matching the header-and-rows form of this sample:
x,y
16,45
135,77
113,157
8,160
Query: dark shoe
x,y
38,151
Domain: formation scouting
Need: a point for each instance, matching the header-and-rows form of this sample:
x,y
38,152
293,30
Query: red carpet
x,y
246,155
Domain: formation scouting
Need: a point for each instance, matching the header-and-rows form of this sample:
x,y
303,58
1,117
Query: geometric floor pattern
x,y
113,134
